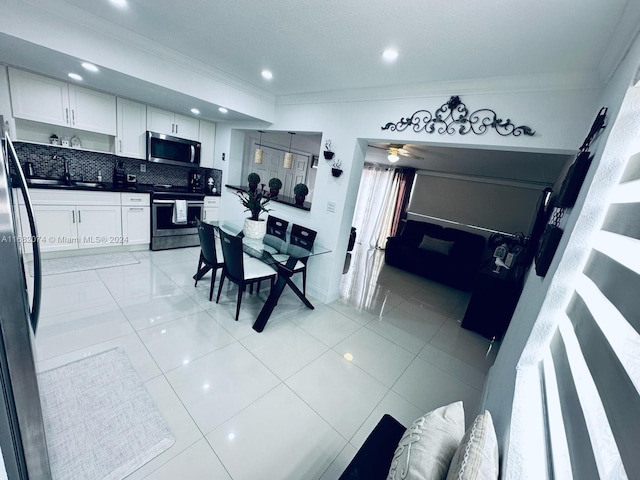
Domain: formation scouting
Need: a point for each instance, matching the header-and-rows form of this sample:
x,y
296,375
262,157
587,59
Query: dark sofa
x,y
447,255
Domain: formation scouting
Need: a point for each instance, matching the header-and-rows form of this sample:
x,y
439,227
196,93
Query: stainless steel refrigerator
x,y
22,434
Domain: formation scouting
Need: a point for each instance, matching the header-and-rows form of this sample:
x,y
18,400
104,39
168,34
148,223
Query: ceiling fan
x,y
396,150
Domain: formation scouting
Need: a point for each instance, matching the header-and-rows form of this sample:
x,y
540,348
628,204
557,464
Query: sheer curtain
x,y
376,214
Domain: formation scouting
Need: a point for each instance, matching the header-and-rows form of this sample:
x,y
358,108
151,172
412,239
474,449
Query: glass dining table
x,y
279,254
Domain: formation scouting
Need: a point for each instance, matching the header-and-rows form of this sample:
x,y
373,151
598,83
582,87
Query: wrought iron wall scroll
x,y
454,114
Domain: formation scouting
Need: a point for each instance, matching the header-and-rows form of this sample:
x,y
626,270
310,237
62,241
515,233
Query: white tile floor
x,y
294,402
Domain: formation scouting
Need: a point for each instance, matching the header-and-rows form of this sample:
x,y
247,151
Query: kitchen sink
x,y
56,182
79,183
61,183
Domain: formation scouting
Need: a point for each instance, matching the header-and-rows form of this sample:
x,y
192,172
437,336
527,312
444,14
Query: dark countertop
x,y
280,198
110,187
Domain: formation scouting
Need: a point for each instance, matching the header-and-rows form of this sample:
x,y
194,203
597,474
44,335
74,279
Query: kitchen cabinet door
x,y
186,127
132,129
40,99
56,227
99,226
136,225
169,123
92,111
207,138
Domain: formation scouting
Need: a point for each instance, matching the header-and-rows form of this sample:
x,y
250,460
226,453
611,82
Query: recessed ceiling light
x,y
266,74
195,111
390,55
75,76
222,110
119,3
89,66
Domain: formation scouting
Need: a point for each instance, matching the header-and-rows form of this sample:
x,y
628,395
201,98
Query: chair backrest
x,y
302,236
232,251
206,232
277,227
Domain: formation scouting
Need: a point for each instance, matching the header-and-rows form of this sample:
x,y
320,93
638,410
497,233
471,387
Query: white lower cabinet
x,y
68,220
98,226
211,210
136,218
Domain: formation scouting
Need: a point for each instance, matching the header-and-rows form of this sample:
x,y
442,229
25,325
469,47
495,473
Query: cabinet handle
x,y
79,217
135,199
73,117
204,216
66,112
120,142
176,128
136,209
73,216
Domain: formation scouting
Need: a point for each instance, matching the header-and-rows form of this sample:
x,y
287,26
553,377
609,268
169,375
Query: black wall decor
x,y
454,116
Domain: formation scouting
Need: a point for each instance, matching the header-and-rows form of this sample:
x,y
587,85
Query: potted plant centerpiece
x,y
275,184
253,179
254,202
300,191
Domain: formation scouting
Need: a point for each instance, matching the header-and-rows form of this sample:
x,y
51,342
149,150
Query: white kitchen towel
x,y
180,212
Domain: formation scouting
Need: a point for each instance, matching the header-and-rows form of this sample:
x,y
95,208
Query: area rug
x,y
100,421
55,266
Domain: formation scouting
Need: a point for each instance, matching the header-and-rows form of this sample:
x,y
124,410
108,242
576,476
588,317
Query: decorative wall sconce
x,y
336,171
257,157
288,157
328,152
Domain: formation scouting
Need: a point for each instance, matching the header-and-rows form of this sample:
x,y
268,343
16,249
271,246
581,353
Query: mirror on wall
x,y
304,148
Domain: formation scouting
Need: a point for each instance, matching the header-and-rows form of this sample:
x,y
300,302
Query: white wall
x,y
560,118
507,386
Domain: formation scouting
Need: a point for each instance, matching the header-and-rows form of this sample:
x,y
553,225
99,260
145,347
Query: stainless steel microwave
x,y
163,148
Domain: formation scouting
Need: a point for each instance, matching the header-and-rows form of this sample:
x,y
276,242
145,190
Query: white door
x,y
186,127
40,99
92,111
273,166
56,227
132,129
160,121
136,225
99,226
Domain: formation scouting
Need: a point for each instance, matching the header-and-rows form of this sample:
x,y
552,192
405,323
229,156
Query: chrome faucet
x,y
67,174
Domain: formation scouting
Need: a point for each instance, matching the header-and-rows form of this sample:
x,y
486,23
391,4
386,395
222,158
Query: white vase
x,y
254,229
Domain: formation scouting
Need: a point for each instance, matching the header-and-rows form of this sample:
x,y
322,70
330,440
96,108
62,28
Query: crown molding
x,y
514,84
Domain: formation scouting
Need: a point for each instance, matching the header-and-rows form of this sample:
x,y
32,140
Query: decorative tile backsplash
x,y
48,162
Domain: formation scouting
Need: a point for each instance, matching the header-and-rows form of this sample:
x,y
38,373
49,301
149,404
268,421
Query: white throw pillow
x,y
477,455
436,245
428,445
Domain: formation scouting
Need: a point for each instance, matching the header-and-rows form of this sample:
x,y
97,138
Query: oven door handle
x,y
172,202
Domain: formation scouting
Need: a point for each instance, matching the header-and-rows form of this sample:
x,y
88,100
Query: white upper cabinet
x,y
173,124
132,129
42,99
207,138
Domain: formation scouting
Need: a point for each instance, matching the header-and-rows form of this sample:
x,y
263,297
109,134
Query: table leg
x,y
202,272
284,278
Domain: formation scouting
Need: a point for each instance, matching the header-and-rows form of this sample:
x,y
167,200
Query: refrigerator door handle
x,y
37,262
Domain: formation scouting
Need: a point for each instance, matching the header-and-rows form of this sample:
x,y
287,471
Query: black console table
x,y
493,301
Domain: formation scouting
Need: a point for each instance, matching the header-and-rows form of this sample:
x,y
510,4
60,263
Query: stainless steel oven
x,y
165,233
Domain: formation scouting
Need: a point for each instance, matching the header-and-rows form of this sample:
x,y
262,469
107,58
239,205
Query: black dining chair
x,y
277,227
210,253
302,237
240,270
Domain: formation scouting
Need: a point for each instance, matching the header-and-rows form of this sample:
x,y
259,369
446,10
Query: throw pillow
x,y
428,445
477,455
436,245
